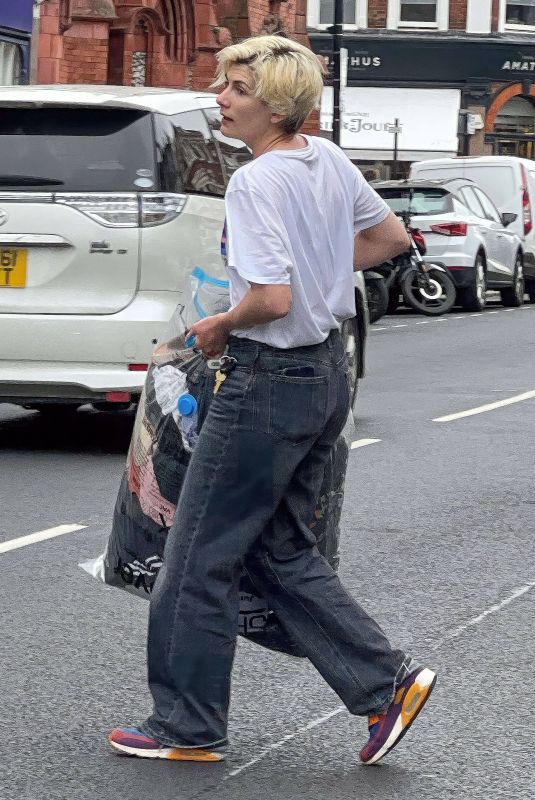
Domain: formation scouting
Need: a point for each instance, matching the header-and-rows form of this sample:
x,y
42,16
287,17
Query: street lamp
x,y
396,129
337,33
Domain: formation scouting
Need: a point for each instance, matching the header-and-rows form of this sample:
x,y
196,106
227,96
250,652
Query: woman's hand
x,y
211,335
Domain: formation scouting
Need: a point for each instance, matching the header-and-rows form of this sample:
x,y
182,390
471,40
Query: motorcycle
x,y
426,288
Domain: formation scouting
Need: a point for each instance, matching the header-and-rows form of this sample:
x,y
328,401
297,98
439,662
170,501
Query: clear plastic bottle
x,y
188,410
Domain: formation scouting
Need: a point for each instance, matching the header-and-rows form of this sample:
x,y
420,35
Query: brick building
x,y
459,75
152,42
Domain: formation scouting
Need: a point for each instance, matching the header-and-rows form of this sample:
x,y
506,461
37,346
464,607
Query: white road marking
x,y
363,443
439,320
493,312
425,322
519,398
400,326
40,536
380,329
281,742
479,314
452,634
460,629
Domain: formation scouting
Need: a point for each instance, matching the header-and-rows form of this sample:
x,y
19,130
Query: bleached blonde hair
x,y
288,76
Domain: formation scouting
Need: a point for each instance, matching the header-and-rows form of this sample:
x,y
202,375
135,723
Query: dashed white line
x,y
448,636
363,443
281,742
460,629
479,314
405,325
519,398
39,536
424,322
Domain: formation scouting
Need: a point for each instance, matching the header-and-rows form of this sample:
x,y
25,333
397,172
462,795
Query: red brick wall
x,y
377,13
458,12
495,14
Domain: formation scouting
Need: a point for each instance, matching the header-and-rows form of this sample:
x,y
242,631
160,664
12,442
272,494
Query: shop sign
x,y
430,60
428,118
16,15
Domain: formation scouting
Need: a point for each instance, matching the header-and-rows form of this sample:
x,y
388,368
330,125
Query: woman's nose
x,y
221,98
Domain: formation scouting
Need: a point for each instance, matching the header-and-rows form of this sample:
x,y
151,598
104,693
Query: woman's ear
x,y
276,119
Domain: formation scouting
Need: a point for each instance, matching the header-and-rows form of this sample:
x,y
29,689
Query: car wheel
x,y
377,298
530,289
473,297
513,296
393,301
350,334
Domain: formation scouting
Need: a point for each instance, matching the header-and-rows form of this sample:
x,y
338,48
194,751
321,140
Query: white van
x,y
509,182
109,198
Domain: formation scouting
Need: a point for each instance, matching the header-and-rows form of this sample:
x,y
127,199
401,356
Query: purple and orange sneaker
x,y
387,729
133,742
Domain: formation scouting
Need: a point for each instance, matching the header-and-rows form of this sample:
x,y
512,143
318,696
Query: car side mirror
x,y
508,218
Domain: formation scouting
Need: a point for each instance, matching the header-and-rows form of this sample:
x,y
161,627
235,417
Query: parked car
x,y
509,182
109,197
464,232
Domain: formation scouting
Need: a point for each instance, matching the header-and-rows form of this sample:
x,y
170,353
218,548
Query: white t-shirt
x,y
291,218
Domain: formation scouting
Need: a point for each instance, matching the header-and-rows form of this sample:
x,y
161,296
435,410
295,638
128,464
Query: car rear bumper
x,y
460,269
80,358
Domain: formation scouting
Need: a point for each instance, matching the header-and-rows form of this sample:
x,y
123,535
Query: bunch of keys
x,y
226,365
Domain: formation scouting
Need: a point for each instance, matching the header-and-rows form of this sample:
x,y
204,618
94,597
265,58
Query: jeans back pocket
x,y
297,405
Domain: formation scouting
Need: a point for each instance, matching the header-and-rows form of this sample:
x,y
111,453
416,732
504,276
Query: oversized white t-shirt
x,y
291,218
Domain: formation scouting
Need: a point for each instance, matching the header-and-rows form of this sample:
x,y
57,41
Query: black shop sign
x,y
437,60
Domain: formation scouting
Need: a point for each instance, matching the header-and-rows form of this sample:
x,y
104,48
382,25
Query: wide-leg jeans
x,y
249,494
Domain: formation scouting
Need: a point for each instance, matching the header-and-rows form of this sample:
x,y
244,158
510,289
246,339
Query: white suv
x,y
109,197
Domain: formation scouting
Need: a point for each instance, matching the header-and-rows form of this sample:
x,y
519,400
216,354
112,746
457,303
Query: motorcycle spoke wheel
x,y
433,299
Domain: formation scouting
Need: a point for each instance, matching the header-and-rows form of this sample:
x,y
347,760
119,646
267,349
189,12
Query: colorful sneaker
x,y
134,742
388,729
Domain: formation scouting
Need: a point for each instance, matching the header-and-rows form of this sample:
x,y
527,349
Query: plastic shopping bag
x,y
157,462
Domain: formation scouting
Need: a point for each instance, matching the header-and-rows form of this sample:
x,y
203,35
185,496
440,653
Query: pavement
x,y
437,544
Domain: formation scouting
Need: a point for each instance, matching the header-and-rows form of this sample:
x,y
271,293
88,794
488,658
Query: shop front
x,y
409,98
15,34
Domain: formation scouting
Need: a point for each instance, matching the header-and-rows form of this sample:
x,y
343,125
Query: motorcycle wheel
x,y
438,300
377,298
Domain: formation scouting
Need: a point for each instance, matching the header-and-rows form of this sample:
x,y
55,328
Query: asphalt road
x,y
438,543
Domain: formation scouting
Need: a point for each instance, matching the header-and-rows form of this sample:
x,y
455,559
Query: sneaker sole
x,y
169,753
413,702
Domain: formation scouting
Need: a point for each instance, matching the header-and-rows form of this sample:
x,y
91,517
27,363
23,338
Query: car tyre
x,y
473,297
377,298
530,289
350,338
513,296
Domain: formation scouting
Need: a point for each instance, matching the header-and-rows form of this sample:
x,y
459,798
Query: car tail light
x,y
450,228
157,209
138,367
526,203
112,210
419,240
126,210
118,397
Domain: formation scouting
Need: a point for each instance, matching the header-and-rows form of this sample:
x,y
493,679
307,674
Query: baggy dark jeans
x,y
248,497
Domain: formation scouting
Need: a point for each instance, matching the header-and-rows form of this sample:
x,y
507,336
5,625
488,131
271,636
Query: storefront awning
x,y
428,121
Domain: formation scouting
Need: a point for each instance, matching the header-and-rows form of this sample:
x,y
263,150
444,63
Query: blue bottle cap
x,y
190,341
187,405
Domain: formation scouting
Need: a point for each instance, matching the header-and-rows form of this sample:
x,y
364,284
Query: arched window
x,y
516,117
10,64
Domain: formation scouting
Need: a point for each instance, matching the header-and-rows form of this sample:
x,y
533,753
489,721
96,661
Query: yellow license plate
x,y
13,263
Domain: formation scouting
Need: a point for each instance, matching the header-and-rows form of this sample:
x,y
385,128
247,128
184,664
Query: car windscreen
x,y
75,149
418,200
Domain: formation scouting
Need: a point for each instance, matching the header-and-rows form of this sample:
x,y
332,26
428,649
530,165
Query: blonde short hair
x,y
288,76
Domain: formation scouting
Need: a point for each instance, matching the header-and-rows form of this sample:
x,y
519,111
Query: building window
x,y
520,13
418,11
10,64
432,14
320,13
